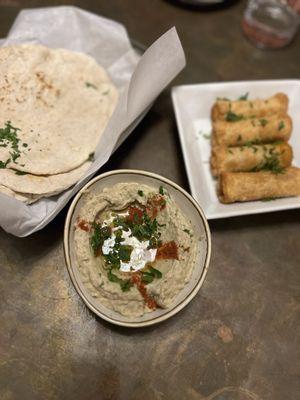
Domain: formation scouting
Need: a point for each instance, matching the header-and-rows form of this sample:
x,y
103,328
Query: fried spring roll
x,y
247,186
248,158
263,130
233,110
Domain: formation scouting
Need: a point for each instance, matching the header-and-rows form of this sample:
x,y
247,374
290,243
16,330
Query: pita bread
x,y
41,185
24,197
59,100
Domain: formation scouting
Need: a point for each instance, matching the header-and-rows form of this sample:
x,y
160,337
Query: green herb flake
x,y
263,122
91,157
17,172
125,284
206,136
90,85
8,136
4,164
244,96
232,117
112,277
150,275
99,235
281,125
125,252
25,145
14,156
270,163
155,272
140,193
161,190
147,278
223,99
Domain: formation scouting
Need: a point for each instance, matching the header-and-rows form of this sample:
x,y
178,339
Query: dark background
x,y
238,339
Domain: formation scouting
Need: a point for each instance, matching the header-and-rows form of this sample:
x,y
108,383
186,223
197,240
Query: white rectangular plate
x,y
192,104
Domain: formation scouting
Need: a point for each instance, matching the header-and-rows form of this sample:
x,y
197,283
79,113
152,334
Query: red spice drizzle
x,y
155,204
168,251
84,225
134,212
136,279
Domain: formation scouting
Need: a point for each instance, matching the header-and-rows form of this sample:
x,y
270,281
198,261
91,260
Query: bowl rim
x,y
67,257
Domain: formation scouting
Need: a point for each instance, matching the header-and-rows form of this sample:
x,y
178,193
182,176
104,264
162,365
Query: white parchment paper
x,y
139,81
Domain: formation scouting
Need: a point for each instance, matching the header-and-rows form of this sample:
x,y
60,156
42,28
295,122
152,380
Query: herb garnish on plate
x,y
140,222
232,117
9,137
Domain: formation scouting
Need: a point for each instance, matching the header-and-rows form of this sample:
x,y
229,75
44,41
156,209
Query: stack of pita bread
x,y
54,106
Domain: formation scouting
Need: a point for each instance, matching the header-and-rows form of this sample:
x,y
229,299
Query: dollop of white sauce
x,y
140,254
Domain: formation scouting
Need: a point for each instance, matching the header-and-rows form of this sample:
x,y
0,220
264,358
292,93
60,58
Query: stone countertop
x,y
237,340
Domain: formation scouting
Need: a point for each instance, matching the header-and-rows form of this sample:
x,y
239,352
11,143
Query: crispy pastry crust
x,y
247,186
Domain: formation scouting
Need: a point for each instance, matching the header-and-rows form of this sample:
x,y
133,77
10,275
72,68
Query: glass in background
x,y
271,23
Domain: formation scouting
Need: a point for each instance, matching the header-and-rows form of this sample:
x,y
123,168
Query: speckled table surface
x,y
238,339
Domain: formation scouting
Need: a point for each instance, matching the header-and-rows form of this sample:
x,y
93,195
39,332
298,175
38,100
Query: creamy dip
x,y
135,248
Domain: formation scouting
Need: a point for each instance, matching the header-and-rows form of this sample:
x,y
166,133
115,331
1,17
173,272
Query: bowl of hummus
x,y
137,247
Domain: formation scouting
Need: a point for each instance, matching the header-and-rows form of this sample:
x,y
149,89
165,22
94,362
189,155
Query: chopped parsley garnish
x,y
150,275
91,157
281,125
268,199
147,277
206,136
99,234
263,122
90,85
8,136
239,138
187,231
125,252
17,172
232,117
161,190
140,193
4,164
14,155
125,284
270,163
140,222
251,143
146,229
244,96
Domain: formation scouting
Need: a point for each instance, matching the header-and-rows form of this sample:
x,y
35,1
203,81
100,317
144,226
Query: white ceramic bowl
x,y
189,207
